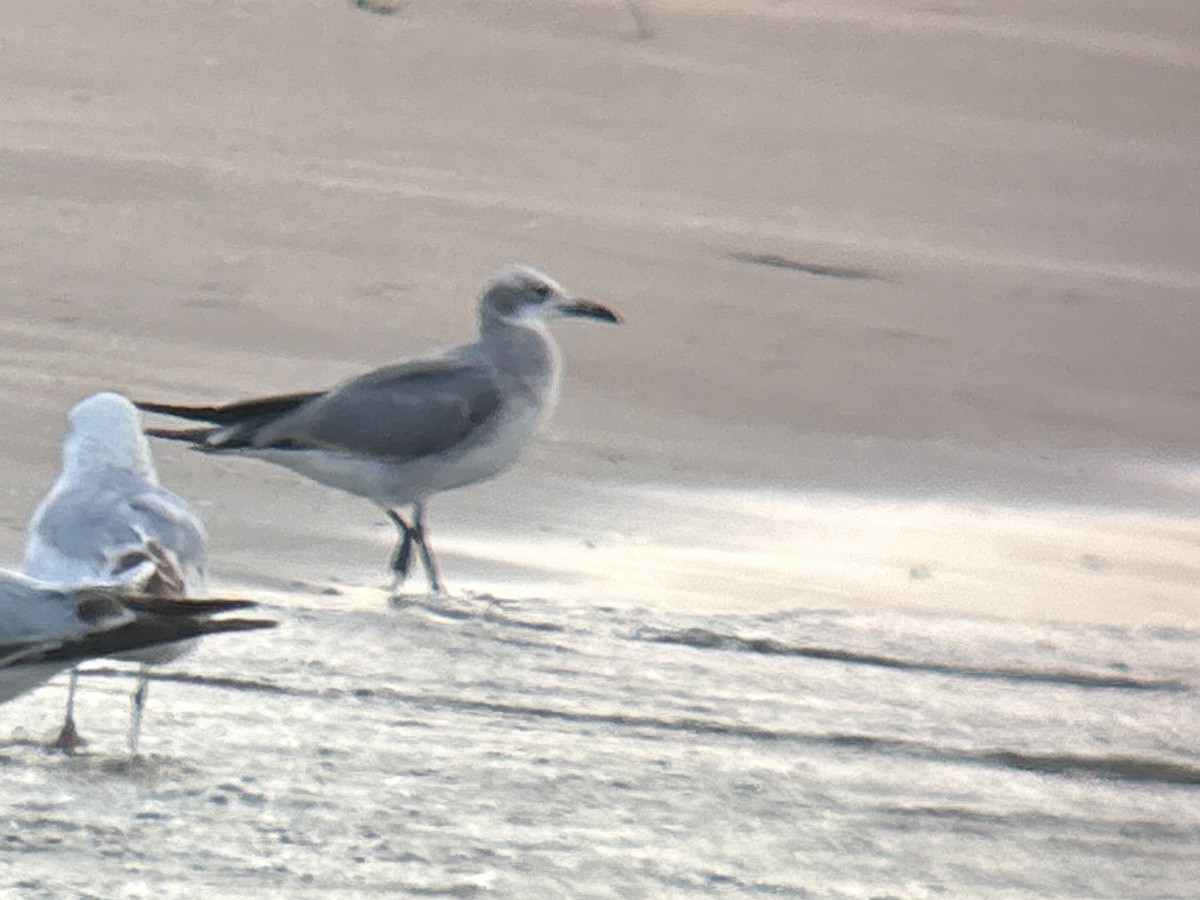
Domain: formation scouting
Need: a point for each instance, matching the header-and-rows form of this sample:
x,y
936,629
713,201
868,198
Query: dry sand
x,y
969,381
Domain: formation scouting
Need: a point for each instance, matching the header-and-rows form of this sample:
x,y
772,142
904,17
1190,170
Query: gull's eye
x,y
543,291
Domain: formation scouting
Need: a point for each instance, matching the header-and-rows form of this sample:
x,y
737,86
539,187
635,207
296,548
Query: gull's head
x,y
523,295
105,431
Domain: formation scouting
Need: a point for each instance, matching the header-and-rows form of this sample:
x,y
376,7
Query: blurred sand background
x,y
911,288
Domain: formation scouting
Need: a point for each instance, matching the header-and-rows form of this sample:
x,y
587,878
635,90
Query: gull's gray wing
x,y
81,533
169,520
69,537
399,412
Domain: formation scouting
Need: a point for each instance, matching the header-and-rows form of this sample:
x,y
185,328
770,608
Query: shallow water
x,y
476,748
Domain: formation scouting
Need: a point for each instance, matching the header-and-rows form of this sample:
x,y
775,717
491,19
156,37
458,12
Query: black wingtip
x,y
195,436
172,409
144,632
175,606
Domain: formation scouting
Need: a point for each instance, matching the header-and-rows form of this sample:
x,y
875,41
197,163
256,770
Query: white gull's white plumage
x,y
400,434
36,617
106,515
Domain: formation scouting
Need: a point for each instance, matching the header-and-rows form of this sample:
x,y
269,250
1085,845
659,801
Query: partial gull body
x,y
403,433
105,517
45,628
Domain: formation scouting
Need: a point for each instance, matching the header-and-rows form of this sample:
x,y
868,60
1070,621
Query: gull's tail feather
x,y
150,566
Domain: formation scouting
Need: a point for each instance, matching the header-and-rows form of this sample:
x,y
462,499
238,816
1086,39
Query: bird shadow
x,y
86,764
469,608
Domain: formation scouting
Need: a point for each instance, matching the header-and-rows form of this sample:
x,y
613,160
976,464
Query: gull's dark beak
x,y
588,309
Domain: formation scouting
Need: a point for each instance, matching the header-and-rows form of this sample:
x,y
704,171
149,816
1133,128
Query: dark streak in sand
x,y
823,270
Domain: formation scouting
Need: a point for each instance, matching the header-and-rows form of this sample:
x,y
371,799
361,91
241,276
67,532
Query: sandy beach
x,y
860,561
892,254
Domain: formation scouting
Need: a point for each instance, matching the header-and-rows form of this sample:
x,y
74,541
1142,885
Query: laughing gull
x,y
403,433
45,628
105,516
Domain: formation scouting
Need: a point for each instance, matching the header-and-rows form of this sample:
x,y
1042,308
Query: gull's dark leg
x,y
402,555
427,560
139,703
68,739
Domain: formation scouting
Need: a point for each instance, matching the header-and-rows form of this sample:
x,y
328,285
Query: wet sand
x,y
910,292
859,562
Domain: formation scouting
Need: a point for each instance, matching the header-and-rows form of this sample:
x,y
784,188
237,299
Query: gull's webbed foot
x,y
69,739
